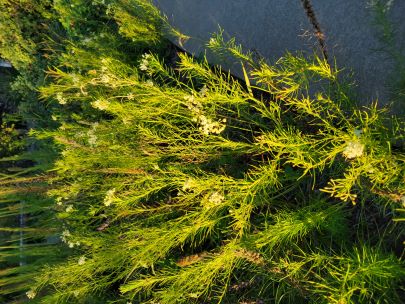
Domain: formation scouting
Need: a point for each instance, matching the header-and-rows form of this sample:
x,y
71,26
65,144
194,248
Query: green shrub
x,y
20,25
197,184
179,183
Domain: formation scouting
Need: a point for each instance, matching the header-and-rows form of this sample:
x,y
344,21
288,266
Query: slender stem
x,y
317,27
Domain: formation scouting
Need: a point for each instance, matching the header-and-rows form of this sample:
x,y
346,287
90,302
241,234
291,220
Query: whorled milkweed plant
x,y
179,183
183,184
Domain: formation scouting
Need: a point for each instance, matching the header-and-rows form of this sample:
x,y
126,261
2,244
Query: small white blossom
x,y
59,201
75,79
31,294
188,184
81,260
208,126
144,65
203,91
149,83
105,78
216,198
194,106
71,244
212,41
100,104
191,102
353,149
189,98
60,98
92,138
109,198
66,233
69,208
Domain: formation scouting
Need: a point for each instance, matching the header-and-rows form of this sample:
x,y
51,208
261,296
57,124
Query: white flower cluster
x,y
100,104
92,138
215,199
109,197
212,41
71,244
189,184
69,208
353,149
193,105
64,237
105,78
144,65
203,92
60,98
31,294
75,79
207,125
81,260
149,83
59,201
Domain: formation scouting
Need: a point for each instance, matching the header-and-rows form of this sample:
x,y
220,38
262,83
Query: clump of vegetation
x,y
175,182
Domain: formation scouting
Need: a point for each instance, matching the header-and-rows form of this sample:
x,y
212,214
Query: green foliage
x,y
138,20
20,23
175,182
10,140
